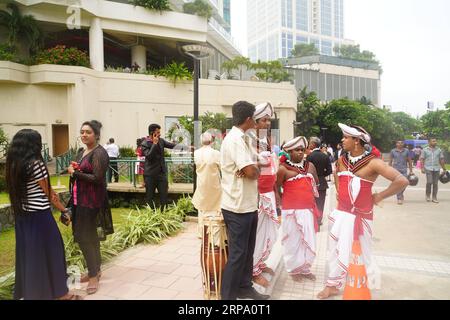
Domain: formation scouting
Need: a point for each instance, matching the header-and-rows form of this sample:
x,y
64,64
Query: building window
x,y
316,42
301,39
286,13
287,44
339,19
301,15
325,17
327,47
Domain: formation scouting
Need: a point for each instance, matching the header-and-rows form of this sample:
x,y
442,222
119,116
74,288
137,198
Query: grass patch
x,y
64,181
8,241
447,166
4,198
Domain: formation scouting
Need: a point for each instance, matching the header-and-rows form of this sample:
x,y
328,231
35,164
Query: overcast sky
x,y
411,38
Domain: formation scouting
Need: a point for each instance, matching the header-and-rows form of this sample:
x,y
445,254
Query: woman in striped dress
x,y
40,259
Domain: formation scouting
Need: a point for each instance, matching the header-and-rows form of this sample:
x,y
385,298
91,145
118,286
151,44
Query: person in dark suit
x,y
323,166
339,151
155,170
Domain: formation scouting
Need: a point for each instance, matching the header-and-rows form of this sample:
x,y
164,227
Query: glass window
x,y
286,13
301,15
327,47
316,42
325,17
287,44
301,39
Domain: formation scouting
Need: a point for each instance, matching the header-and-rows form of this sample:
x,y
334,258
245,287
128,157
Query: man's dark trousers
x,y
113,170
320,202
157,182
238,273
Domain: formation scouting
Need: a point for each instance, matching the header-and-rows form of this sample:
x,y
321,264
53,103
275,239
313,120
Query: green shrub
x,y
7,286
198,7
175,72
127,152
63,56
159,5
7,53
2,183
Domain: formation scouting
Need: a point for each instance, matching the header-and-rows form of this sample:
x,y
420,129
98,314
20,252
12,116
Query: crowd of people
x,y
254,186
262,191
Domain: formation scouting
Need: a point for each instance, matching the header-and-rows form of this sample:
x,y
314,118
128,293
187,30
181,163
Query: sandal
x,y
85,277
93,288
70,296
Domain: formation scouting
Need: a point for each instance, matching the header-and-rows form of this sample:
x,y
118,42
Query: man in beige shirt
x,y
208,194
240,172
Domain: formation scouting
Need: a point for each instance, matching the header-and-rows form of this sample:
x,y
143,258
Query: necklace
x,y
296,165
354,160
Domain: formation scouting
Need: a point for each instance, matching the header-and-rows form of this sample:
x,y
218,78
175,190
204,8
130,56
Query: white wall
x,y
125,103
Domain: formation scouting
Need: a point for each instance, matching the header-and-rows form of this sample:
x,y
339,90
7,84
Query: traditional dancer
x,y
268,224
298,178
357,171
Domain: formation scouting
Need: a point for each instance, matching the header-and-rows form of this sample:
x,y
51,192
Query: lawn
x,y
447,166
8,242
64,181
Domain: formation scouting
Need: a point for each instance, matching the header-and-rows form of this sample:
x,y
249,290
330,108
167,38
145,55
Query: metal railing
x,y
179,169
63,161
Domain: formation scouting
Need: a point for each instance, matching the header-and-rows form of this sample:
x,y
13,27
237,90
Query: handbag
x,y
66,216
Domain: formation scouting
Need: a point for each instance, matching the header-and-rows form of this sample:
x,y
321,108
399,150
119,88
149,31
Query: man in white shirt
x,y
240,173
208,194
113,152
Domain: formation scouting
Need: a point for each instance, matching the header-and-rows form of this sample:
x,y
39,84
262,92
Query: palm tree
x,y
21,28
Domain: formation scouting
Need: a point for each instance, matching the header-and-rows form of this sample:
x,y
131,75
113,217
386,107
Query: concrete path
x,y
410,246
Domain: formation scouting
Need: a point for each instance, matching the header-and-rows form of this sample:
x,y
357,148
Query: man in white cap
x,y
208,194
298,178
266,233
357,170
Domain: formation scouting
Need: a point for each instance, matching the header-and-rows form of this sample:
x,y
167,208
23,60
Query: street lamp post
x,y
197,52
323,134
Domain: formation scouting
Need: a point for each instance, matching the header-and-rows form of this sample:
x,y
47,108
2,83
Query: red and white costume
x,y
299,220
268,224
351,220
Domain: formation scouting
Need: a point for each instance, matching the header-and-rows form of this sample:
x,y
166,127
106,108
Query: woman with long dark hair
x,y
92,220
40,259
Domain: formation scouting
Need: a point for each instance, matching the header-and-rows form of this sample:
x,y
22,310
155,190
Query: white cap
x,y
296,143
262,110
356,132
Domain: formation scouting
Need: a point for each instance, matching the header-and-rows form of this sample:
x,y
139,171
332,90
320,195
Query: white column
x,y
139,55
96,53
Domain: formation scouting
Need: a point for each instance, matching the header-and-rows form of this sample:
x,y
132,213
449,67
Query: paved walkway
x,y
167,271
410,248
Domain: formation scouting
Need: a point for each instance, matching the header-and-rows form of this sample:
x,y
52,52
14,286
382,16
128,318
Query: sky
x,y
411,38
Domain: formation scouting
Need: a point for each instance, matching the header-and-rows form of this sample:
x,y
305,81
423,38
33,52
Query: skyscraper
x,y
275,26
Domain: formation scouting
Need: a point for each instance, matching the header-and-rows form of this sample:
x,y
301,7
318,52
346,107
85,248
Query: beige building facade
x,y
56,100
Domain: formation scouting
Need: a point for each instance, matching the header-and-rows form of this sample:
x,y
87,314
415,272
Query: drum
x,y
214,255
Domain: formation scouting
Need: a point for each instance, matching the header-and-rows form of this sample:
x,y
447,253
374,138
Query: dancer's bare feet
x,y
328,292
309,276
261,281
268,271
